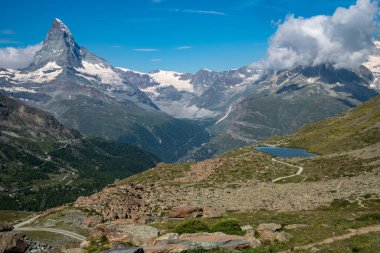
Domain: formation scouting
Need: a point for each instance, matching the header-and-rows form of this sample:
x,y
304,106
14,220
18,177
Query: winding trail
x,y
20,227
300,170
353,232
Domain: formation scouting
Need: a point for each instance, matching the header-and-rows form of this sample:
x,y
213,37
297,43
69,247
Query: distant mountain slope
x,y
203,95
44,164
88,94
355,129
281,102
242,180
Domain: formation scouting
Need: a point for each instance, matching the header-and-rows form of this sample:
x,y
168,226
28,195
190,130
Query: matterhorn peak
x,y
58,24
60,47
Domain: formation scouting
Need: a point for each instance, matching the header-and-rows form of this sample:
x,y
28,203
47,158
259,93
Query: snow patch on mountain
x,y
373,64
178,110
106,74
172,78
17,89
45,74
131,70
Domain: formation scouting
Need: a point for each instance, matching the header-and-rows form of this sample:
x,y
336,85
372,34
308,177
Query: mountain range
x,y
182,116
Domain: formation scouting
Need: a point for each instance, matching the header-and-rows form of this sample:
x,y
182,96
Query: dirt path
x,y
353,232
25,222
54,230
20,227
300,169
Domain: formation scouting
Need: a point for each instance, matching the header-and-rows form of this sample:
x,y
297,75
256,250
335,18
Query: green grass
x,y
323,223
192,226
228,226
354,129
368,243
13,216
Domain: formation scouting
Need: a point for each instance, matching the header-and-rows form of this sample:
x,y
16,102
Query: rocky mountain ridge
x,y
86,93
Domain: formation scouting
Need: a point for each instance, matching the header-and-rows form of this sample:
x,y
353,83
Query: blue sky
x,y
182,35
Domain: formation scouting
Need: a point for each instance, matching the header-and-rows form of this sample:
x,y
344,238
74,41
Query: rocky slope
x,y
227,182
40,159
88,94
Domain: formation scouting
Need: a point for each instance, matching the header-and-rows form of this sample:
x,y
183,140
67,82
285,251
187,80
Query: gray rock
x,y
4,226
269,227
296,226
283,236
247,228
123,249
13,242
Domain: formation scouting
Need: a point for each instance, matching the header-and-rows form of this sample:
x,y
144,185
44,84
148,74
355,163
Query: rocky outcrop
x,y
92,221
4,226
296,226
185,212
124,202
270,233
123,249
126,233
272,227
13,242
174,243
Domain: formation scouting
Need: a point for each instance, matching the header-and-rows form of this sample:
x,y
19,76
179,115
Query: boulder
x,y
267,236
283,236
214,240
92,221
185,212
123,249
84,244
296,226
74,250
253,241
4,226
212,212
129,233
167,248
13,242
168,237
247,228
273,227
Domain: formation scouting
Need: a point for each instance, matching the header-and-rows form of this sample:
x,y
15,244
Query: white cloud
x,y
155,60
11,57
145,49
183,47
343,39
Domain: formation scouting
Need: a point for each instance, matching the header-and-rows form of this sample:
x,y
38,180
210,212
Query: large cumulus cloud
x,y
343,39
11,57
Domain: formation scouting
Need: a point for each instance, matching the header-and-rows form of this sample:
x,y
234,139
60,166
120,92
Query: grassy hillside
x,y
355,129
43,164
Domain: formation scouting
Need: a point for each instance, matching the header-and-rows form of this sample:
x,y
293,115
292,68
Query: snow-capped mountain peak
x,y
59,46
373,64
58,23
